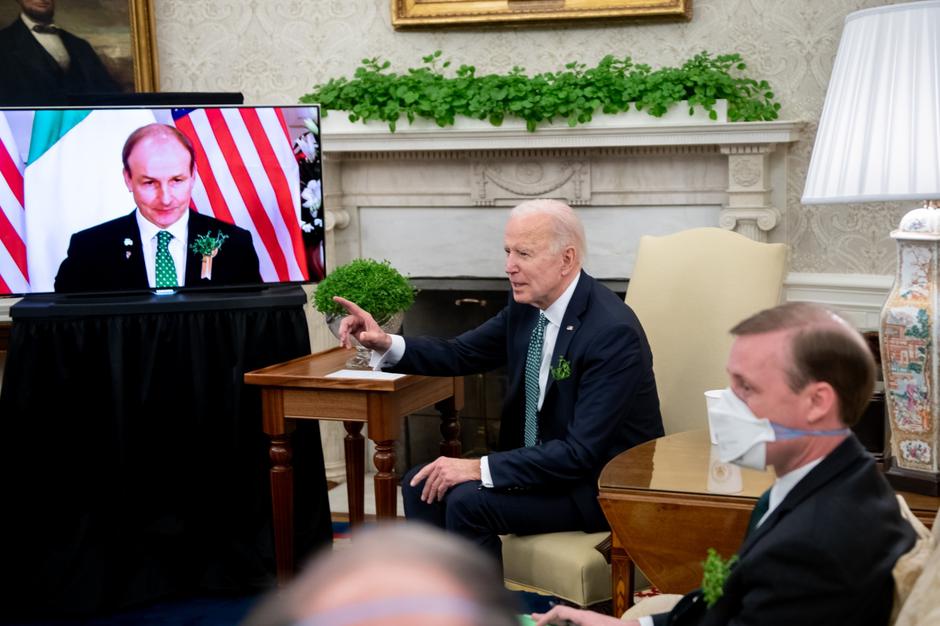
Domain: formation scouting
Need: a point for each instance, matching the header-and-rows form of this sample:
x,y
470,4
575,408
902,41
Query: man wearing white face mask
x,y
822,550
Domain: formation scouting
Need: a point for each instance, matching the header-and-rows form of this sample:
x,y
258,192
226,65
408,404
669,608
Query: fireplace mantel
x,y
344,137
433,200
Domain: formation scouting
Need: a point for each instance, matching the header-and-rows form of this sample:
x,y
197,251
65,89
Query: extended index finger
x,y
351,307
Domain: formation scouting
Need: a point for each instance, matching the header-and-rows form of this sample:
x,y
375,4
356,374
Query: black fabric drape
x,y
133,462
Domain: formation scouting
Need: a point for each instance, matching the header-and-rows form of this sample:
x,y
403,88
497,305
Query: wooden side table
x,y
300,389
664,502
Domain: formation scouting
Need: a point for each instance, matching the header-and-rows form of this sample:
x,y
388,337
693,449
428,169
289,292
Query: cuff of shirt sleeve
x,y
485,478
646,620
391,356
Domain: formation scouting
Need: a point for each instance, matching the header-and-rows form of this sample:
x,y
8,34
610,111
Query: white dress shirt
x,y
177,246
555,314
778,491
51,42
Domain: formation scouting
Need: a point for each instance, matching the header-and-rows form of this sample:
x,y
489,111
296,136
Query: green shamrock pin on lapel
x,y
207,246
715,572
562,370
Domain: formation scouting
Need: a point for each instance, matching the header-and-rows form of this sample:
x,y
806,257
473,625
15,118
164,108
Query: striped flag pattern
x,y
245,161
14,276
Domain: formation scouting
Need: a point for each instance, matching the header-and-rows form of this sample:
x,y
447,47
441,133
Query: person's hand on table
x,y
564,615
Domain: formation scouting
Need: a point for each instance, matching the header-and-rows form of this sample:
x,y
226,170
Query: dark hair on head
x,y
823,348
157,130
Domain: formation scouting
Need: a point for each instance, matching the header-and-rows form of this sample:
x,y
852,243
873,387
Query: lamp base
x,y
925,483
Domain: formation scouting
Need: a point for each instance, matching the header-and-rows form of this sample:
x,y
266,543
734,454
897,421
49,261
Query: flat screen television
x,y
69,216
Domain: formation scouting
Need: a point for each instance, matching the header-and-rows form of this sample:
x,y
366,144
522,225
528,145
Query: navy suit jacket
x,y
606,405
823,557
30,76
99,259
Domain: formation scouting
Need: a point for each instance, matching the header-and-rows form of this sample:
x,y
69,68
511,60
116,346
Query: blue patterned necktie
x,y
533,363
165,268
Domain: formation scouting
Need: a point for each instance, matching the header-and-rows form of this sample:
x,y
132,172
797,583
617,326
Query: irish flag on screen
x,y
73,180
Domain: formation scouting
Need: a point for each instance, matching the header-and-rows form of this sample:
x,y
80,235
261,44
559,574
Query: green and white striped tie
x,y
533,363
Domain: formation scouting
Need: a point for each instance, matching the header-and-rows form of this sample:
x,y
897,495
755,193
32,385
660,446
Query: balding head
x,y
406,574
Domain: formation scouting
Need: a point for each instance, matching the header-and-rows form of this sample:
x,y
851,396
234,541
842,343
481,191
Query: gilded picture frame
x,y
434,13
120,33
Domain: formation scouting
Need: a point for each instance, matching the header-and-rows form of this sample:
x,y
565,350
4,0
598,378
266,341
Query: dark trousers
x,y
481,514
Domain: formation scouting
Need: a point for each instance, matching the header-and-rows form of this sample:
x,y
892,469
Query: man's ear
x,y
569,258
823,401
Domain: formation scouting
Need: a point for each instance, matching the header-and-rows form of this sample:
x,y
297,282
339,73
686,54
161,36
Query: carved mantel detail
x,y
749,210
503,179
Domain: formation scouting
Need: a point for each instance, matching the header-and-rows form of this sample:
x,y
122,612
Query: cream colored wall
x,y
275,51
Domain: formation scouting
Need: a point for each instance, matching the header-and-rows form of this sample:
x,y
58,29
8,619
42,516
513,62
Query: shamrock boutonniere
x,y
562,370
715,572
207,246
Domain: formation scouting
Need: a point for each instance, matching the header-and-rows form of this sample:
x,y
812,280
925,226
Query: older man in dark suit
x,y
581,390
44,64
161,244
826,536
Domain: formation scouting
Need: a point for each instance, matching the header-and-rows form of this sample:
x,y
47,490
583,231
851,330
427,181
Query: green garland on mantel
x,y
574,94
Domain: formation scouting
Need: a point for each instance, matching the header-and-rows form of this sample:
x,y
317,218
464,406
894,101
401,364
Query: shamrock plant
x,y
574,94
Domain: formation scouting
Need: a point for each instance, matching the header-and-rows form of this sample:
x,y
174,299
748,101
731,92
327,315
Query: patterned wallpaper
x,y
275,51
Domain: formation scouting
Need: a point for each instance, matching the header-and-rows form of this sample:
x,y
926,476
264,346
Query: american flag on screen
x,y
14,277
245,161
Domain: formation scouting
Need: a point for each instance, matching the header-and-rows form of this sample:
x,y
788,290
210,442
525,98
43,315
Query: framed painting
x,y
52,53
431,13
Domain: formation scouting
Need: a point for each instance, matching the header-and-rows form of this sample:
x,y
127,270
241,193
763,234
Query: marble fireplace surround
x,y
434,201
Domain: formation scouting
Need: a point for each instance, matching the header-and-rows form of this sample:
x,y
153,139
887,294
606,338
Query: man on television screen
x,y
43,63
162,244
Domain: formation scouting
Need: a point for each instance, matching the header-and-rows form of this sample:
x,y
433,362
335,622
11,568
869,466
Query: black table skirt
x,y
132,459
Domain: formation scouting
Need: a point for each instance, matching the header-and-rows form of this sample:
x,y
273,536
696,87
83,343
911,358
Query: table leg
x,y
282,482
386,483
622,578
282,505
450,428
355,448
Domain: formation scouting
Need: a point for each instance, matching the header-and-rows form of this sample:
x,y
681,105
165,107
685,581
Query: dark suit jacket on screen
x,y
823,557
30,76
606,405
98,258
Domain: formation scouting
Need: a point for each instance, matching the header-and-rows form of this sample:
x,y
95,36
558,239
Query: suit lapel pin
x,y
128,242
569,327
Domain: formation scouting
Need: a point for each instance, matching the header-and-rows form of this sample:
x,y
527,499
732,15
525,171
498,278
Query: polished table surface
x,y
670,499
302,389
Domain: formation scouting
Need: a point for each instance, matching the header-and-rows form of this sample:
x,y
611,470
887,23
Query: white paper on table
x,y
364,375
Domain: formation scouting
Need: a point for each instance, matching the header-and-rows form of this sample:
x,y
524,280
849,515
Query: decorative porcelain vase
x,y
360,360
909,328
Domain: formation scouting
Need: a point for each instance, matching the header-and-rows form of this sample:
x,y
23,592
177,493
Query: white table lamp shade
x,y
879,134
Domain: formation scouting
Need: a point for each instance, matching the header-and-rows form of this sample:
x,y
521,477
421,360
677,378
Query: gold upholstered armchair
x,y
688,289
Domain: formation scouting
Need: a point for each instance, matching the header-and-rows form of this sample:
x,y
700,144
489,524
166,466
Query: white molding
x,y
858,297
341,136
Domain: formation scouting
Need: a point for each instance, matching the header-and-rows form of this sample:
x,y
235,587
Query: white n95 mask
x,y
743,437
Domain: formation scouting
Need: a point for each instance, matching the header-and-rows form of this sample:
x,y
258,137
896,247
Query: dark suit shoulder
x,y
100,232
